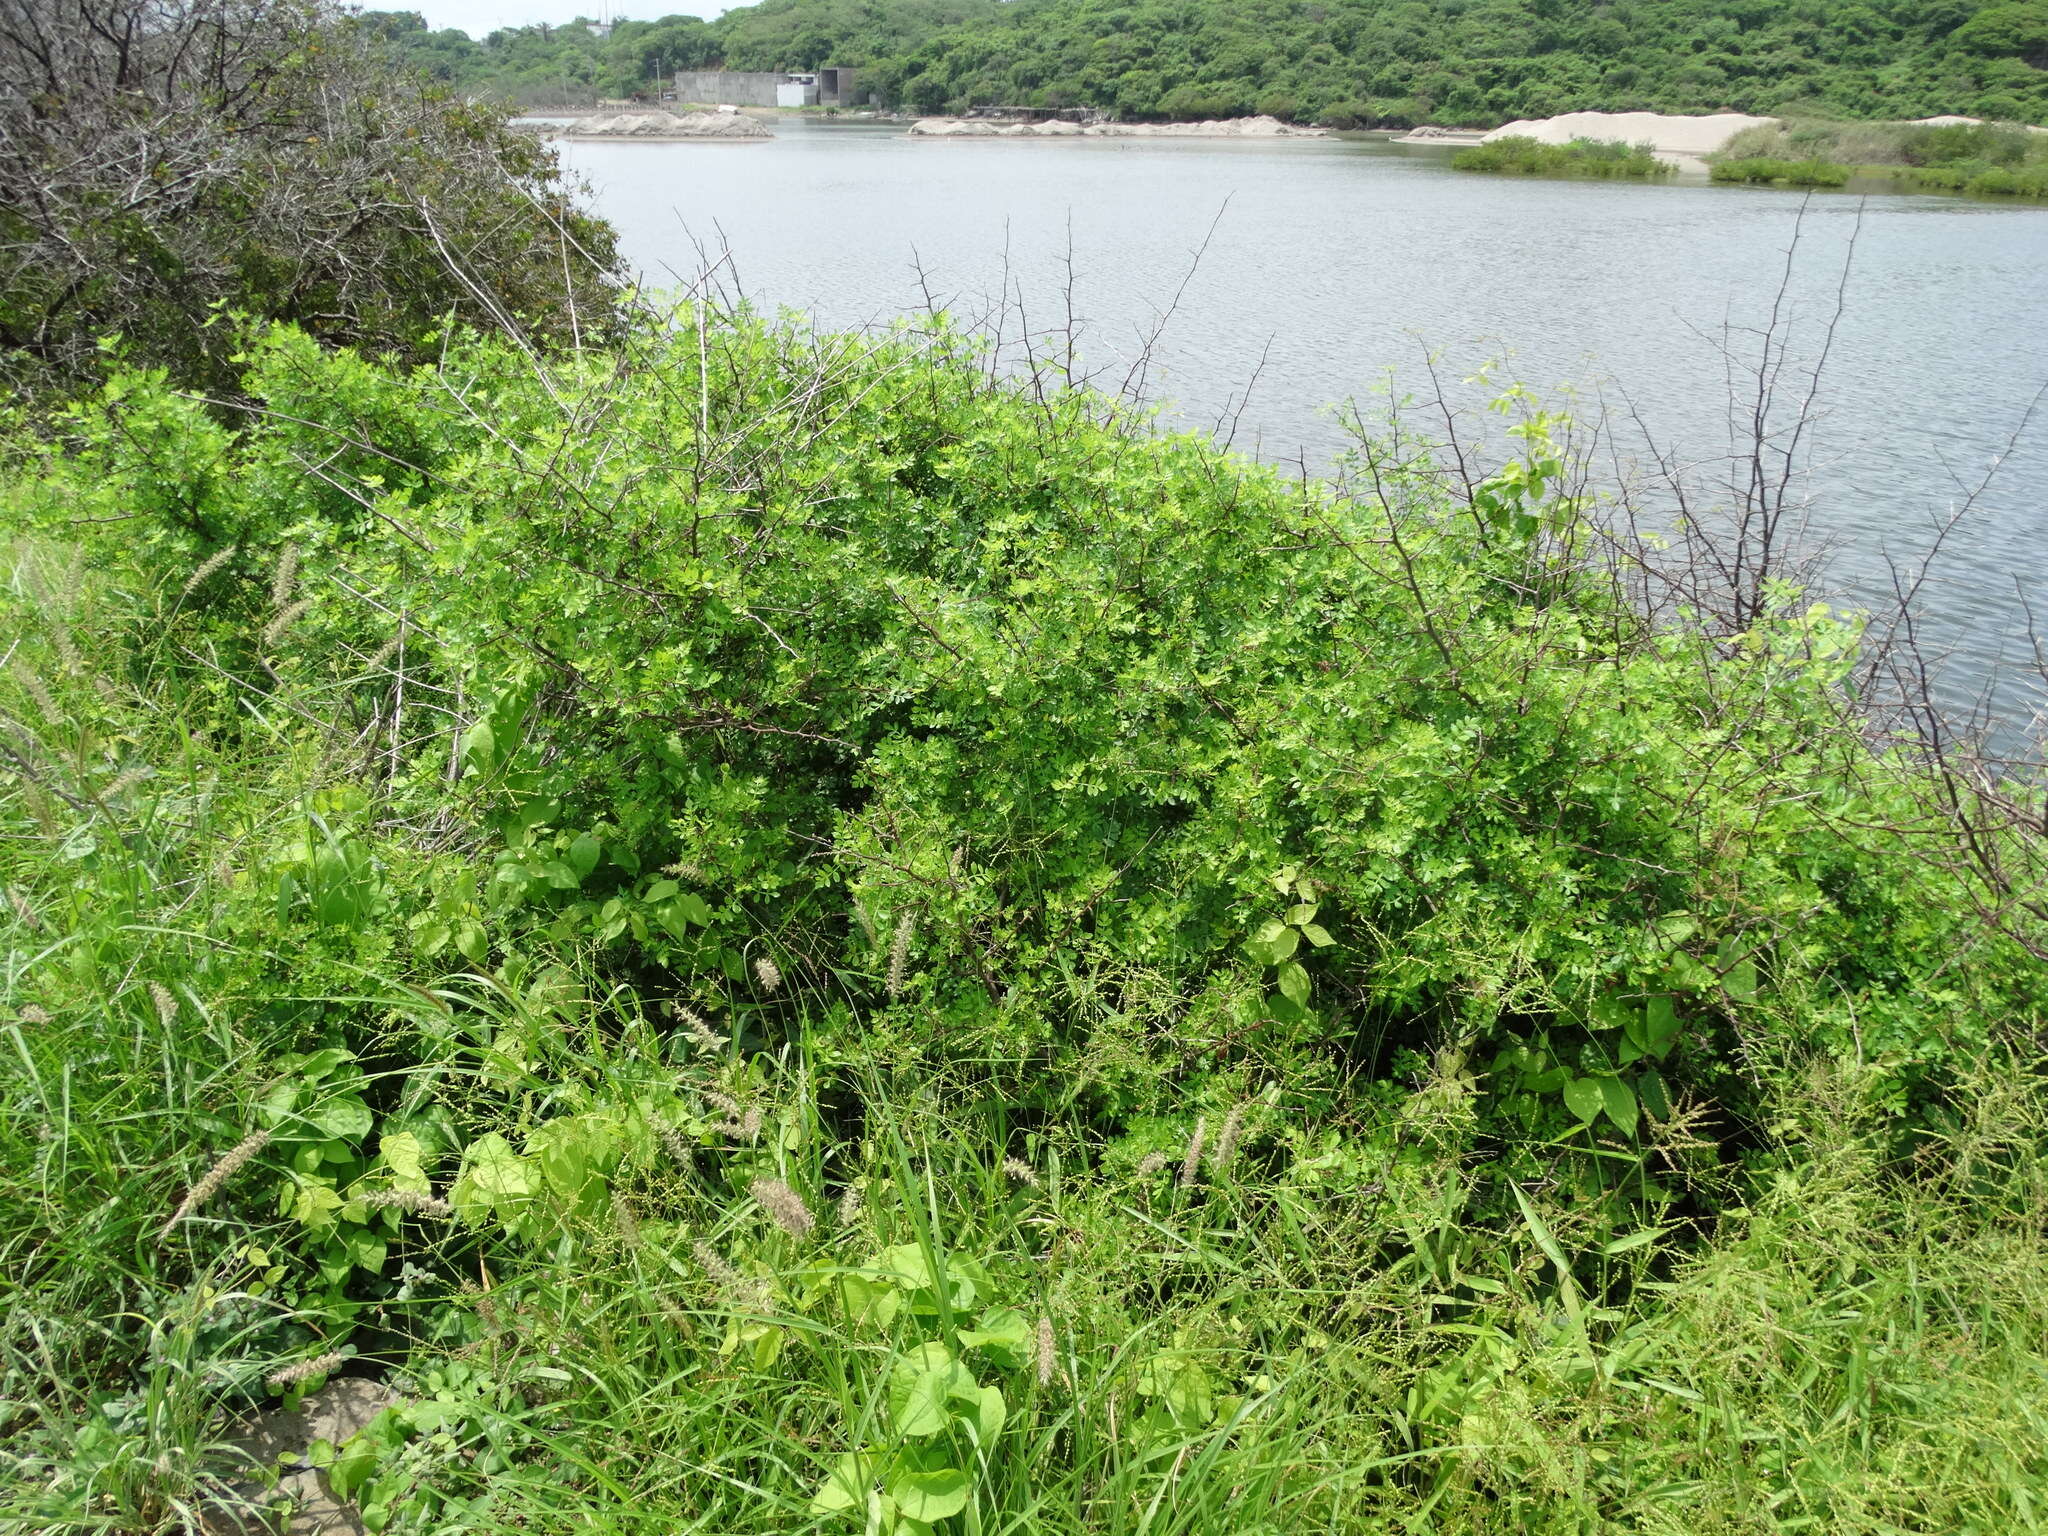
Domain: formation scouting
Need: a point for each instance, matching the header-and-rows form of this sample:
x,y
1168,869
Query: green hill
x,y
1334,61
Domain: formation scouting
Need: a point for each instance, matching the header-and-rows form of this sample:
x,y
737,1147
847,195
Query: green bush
x,y
1781,173
1581,157
774,902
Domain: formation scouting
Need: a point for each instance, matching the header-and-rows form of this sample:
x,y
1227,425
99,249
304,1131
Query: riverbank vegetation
x,y
1581,157
777,931
1985,158
1764,171
1350,63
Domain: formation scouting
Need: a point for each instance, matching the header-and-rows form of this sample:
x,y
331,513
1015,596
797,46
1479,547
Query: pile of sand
x,y
1228,128
1663,132
667,125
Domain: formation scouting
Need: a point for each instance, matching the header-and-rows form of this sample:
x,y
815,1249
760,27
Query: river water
x,y
1327,266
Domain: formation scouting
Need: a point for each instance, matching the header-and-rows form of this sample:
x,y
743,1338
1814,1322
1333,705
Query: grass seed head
x,y
230,1164
785,1207
1152,1163
410,1200
285,577
1020,1171
305,1370
1191,1165
166,1004
286,617
1046,1353
1226,1140
769,974
206,568
899,955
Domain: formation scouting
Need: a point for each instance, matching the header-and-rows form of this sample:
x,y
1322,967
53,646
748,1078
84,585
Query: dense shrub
x,y
768,901
160,165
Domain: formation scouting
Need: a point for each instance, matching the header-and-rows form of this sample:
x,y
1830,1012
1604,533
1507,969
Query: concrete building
x,y
828,87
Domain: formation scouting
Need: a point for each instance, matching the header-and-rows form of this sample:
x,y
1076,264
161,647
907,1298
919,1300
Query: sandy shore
x,y
1677,140
662,127
1228,128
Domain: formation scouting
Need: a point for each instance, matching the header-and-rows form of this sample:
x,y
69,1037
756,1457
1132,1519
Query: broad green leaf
x,y
927,1487
1003,1331
583,854
921,1384
1294,982
400,1152
1620,1103
984,1411
344,1119
868,1301
1660,1022
1302,915
1740,981
479,747
846,1485
1317,935
1655,1099
1583,1098
366,1250
1263,945
907,1261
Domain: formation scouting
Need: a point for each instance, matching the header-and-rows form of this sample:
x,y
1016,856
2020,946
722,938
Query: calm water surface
x,y
1330,262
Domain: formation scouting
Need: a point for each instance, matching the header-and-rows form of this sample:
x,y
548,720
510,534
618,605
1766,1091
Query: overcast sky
x,y
480,18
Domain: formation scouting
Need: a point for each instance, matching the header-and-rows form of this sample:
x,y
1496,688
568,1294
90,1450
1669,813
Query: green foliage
x,y
778,933
1348,63
1985,158
1762,172
1582,157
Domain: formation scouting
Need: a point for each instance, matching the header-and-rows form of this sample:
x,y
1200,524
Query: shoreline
x,y
1260,128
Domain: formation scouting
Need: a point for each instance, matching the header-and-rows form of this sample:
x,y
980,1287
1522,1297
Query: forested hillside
x,y
1334,61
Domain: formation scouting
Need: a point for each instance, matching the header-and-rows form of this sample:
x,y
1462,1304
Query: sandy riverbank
x,y
1228,128
1681,141
665,126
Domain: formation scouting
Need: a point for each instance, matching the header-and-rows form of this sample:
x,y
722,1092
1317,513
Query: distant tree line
x,y
1339,62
